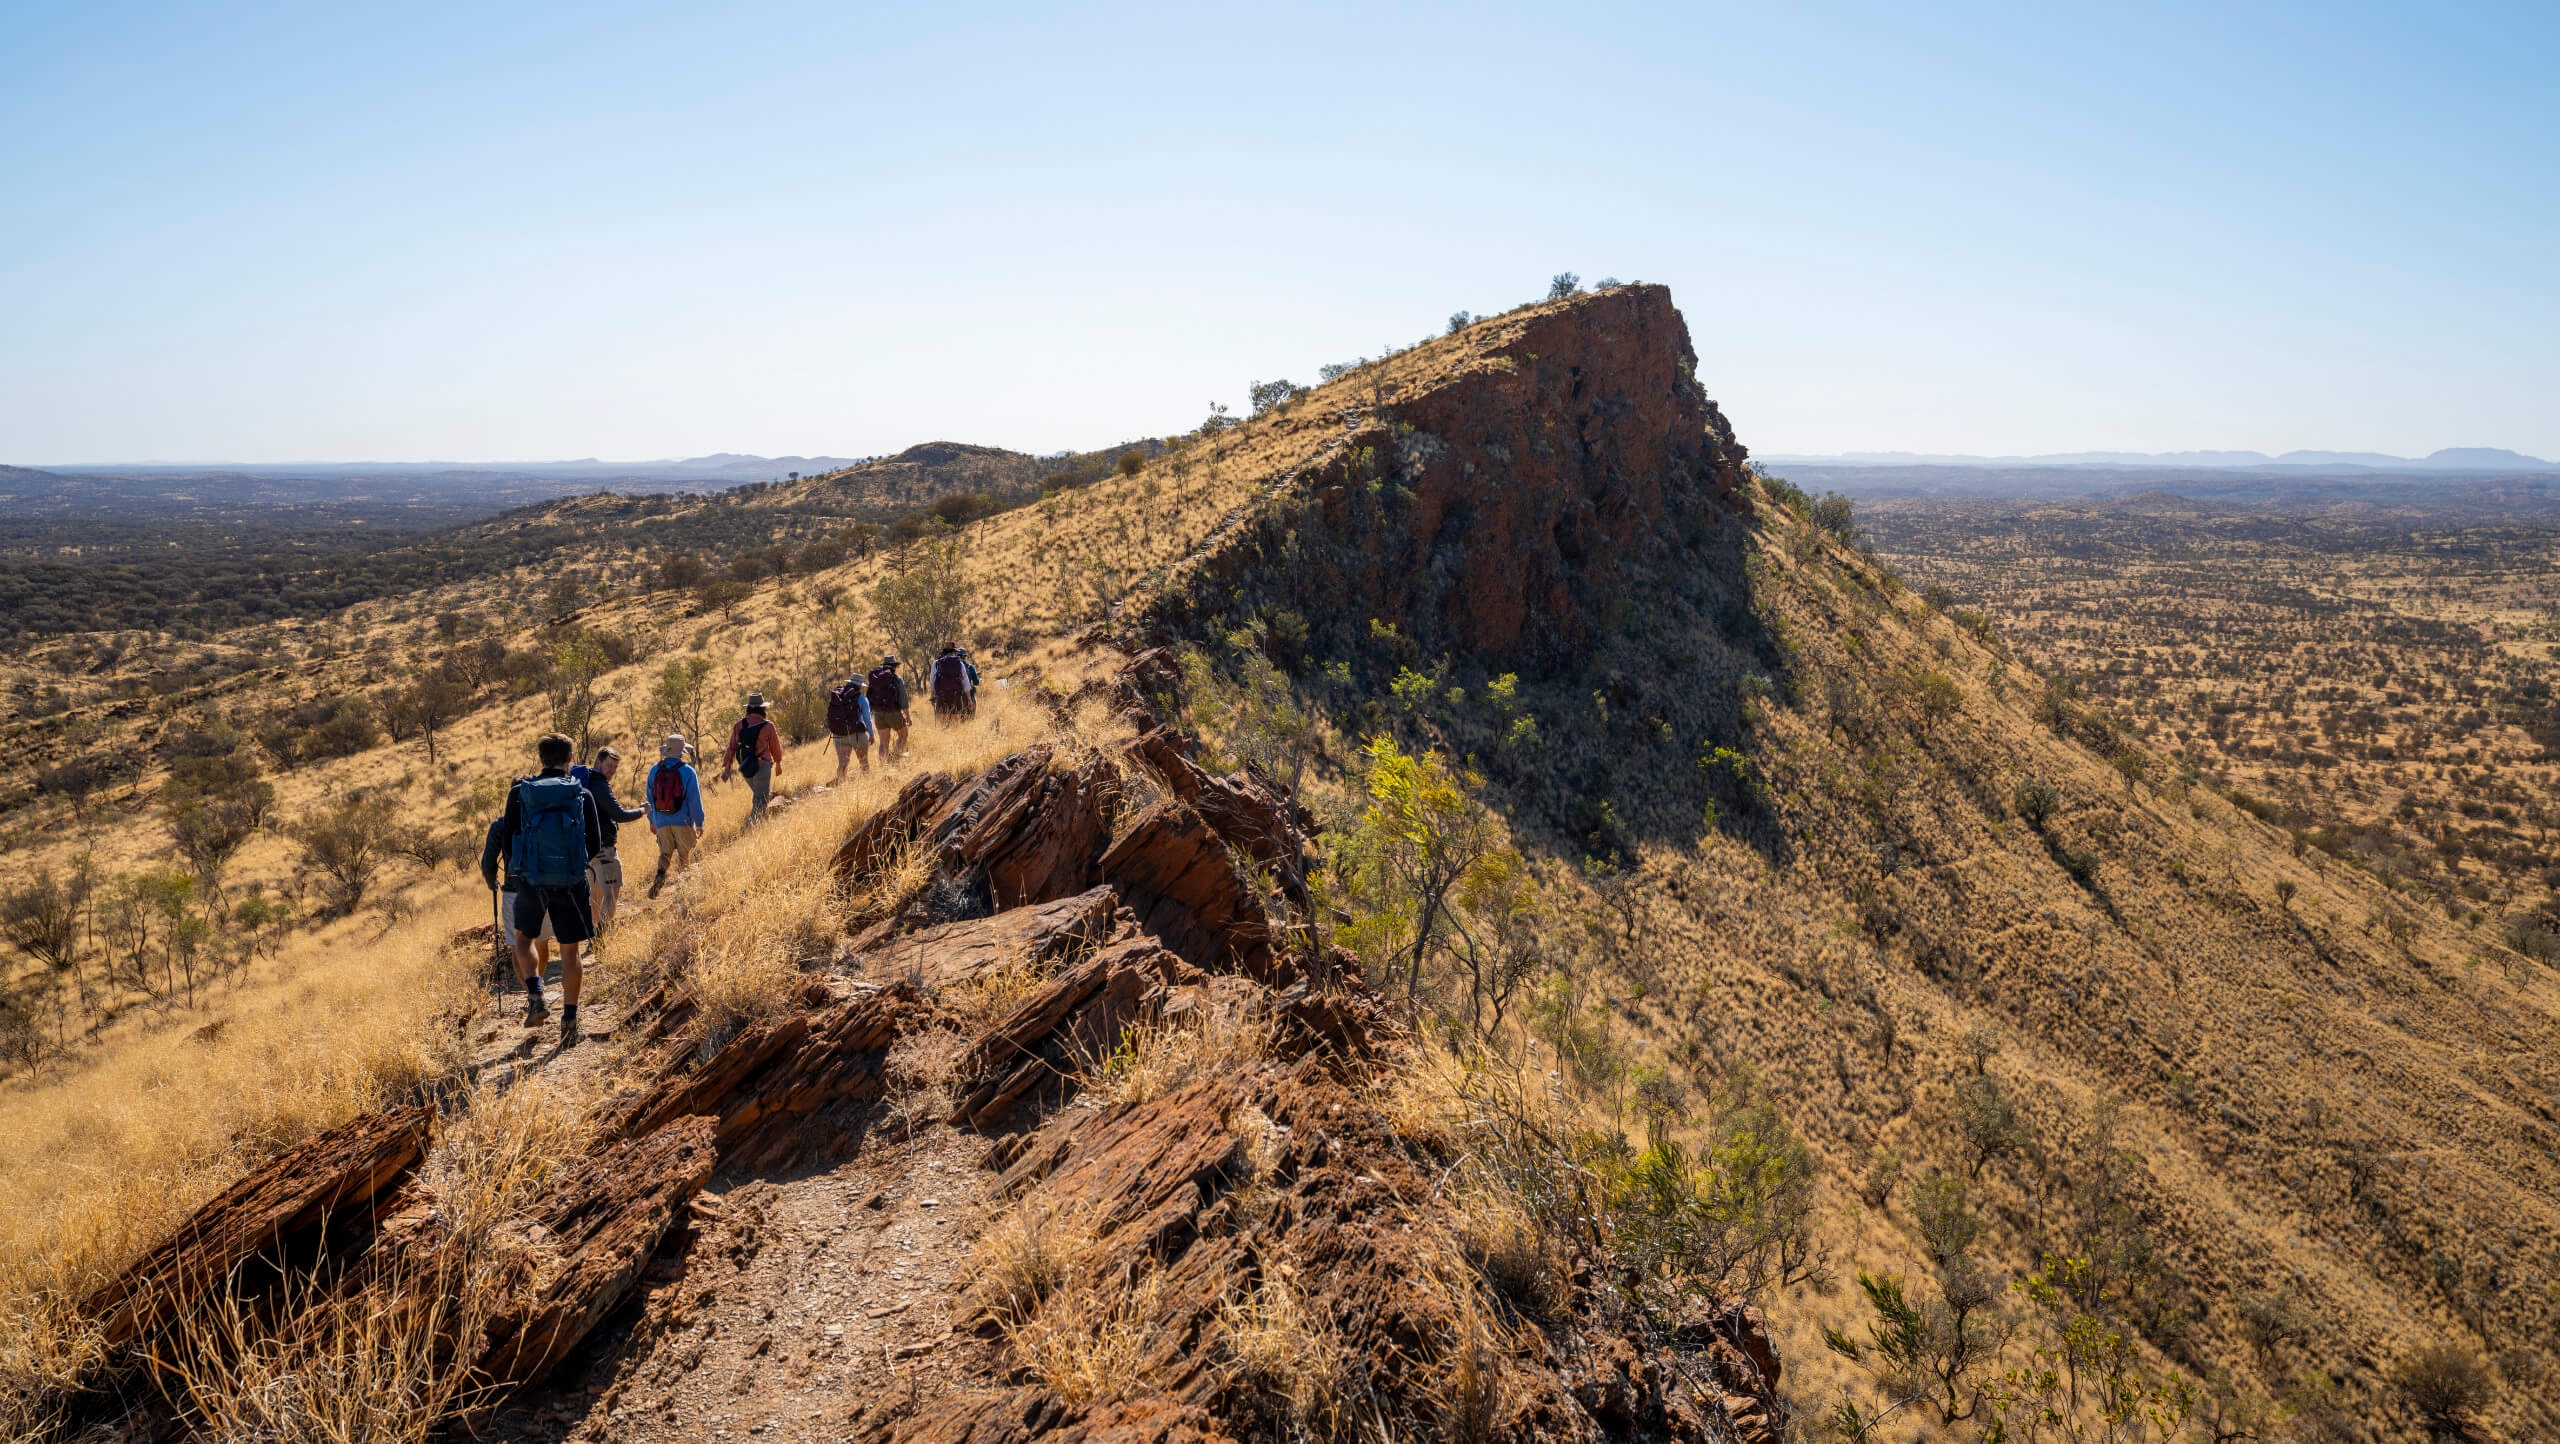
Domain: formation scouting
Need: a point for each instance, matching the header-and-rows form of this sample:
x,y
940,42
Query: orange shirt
x,y
768,742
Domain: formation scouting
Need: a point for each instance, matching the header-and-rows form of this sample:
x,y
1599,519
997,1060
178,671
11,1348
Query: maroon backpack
x,y
844,709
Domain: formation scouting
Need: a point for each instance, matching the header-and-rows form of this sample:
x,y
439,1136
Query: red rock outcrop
x,y
955,952
1077,1017
786,1086
1505,509
598,1227
322,1196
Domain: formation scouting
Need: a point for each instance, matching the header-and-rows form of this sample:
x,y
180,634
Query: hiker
x,y
888,693
493,849
604,870
849,723
675,807
549,832
955,687
755,750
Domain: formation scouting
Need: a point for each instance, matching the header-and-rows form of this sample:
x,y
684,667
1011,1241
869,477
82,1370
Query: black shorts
x,y
573,918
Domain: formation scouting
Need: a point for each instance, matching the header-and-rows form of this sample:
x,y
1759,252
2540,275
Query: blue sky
x,y
264,233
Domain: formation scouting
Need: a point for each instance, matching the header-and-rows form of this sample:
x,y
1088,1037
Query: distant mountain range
x,y
2451,459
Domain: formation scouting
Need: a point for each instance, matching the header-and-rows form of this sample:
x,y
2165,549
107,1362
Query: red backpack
x,y
666,786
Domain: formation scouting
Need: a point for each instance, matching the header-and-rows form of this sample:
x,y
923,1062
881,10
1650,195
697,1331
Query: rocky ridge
x,y
1141,893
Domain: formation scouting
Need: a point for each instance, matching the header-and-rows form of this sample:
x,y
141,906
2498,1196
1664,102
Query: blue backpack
x,y
551,833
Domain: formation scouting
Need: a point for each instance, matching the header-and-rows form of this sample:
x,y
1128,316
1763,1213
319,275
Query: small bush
x,y
2447,1383
2036,801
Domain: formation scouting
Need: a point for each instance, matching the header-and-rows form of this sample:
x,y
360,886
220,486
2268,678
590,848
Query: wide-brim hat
x,y
755,701
671,745
890,660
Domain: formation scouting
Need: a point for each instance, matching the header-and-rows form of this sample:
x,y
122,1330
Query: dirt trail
x,y
797,1301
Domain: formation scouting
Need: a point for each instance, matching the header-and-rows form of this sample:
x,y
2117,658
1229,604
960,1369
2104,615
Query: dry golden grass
x,y
1025,1255
1087,1338
336,1369
1157,1056
104,1162
1285,1351
374,1367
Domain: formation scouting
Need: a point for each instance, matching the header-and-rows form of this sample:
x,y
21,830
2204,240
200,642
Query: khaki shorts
x,y
676,841
507,910
605,869
853,742
888,721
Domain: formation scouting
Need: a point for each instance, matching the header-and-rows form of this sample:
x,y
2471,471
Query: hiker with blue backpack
x,y
548,833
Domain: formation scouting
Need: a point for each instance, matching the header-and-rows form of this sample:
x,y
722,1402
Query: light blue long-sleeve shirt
x,y
692,814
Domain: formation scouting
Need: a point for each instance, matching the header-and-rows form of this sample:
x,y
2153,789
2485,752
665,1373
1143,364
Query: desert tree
x,y
2448,1384
927,599
427,706
345,846
1270,396
1922,1348
1987,1121
1423,832
210,831
577,663
41,918
679,698
1565,286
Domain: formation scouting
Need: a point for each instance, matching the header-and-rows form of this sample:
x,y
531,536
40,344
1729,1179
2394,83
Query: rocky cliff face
x,y
1499,505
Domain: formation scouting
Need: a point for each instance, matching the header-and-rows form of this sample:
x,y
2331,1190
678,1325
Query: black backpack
x,y
844,709
750,732
888,693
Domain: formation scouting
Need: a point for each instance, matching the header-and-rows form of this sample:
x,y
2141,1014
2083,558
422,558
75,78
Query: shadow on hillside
x,y
1646,737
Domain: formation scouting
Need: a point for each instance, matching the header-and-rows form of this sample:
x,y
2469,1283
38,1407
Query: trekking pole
x,y
498,934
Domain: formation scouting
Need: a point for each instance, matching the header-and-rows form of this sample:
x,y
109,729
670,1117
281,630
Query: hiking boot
x,y
656,883
568,1027
536,1011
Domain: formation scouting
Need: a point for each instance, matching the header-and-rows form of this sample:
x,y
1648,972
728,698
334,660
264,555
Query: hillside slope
x,y
1875,862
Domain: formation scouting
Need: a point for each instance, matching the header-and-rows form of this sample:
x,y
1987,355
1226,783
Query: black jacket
x,y
502,833
608,809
